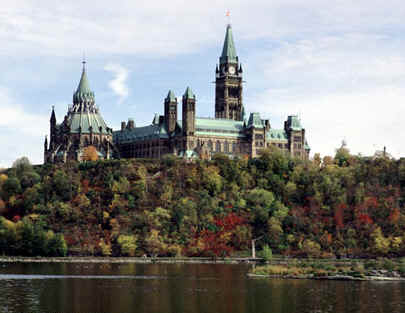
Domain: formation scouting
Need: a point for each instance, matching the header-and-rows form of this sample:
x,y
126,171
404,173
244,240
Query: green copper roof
x,y
255,120
83,92
188,94
86,122
218,127
228,51
294,122
140,133
171,97
276,135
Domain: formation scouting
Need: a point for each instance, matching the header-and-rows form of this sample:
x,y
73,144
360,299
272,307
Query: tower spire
x,y
83,98
228,50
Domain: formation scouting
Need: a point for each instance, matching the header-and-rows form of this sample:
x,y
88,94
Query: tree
x,y
154,245
22,165
127,244
11,187
90,154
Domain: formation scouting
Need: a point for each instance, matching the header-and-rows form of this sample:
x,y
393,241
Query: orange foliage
x,y
365,219
394,216
90,154
2,207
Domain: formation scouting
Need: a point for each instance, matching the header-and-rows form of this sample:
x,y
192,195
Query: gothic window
x,y
280,145
210,145
226,147
234,147
218,146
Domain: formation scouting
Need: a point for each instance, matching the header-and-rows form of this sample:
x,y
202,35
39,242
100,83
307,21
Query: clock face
x,y
231,70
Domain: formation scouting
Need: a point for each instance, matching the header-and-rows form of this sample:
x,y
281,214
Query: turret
x,y
170,112
53,127
188,113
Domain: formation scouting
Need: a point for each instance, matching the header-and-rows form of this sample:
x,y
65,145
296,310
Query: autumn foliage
x,y
90,154
332,207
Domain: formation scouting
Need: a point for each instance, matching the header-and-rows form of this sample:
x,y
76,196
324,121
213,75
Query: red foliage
x,y
218,242
339,214
228,222
16,218
85,185
365,219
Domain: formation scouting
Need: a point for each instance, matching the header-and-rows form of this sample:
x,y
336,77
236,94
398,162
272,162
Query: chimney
x,y
123,125
267,124
131,124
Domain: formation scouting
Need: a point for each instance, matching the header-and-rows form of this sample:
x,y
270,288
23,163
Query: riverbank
x,y
381,269
168,260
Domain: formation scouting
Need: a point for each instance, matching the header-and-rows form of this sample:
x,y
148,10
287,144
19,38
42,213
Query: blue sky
x,y
339,64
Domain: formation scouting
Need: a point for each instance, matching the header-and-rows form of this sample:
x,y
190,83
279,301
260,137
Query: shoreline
x,y
139,260
332,277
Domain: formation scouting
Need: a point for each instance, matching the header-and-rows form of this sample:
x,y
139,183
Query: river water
x,y
175,288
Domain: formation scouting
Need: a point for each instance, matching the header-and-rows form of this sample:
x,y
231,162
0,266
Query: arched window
x,y
234,147
226,147
218,146
210,145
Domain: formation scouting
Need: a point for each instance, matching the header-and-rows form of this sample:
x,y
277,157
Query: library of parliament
x,y
230,132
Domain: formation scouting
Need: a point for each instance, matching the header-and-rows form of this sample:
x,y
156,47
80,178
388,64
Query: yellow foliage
x,y
381,243
311,248
104,248
90,154
106,215
3,178
396,243
154,244
12,201
33,216
115,227
175,250
127,244
10,225
50,234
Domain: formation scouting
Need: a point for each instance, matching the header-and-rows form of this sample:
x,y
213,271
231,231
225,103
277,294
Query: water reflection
x,y
182,288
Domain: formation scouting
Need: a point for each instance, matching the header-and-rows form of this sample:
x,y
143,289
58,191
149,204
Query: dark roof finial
x,y
84,61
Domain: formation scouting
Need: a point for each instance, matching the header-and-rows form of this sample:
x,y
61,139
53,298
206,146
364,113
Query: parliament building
x,y
230,132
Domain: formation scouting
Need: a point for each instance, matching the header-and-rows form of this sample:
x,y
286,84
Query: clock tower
x,y
228,82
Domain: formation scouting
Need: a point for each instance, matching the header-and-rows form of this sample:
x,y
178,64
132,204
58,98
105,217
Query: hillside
x,y
342,206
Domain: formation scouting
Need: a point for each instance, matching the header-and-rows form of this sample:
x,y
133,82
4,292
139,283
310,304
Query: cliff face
x,y
343,206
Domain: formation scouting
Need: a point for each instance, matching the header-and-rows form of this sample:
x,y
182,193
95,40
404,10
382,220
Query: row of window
x,y
224,131
227,147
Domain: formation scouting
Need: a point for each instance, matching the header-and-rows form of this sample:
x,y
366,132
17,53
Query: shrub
x,y
267,253
389,265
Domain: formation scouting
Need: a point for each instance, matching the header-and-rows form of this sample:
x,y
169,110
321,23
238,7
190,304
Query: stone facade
x,y
229,132
82,127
